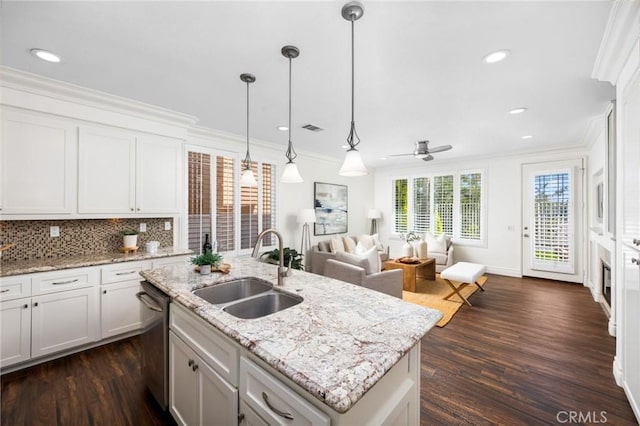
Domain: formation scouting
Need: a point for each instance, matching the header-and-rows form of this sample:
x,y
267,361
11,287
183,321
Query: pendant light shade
x,y
290,173
353,165
247,178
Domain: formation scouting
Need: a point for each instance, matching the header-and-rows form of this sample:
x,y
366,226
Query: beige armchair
x,y
388,282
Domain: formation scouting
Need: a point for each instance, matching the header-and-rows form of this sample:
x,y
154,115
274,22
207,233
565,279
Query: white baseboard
x,y
612,326
617,371
504,271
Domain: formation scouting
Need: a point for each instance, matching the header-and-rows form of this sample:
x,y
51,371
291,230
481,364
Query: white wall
x,y
503,251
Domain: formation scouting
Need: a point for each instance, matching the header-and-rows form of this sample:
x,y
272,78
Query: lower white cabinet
x,y
119,308
198,395
15,321
248,417
63,320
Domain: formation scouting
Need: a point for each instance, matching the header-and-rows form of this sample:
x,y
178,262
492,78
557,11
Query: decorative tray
x,y
224,268
408,260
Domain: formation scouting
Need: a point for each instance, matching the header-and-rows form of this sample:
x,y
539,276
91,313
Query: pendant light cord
x,y
353,140
247,158
291,153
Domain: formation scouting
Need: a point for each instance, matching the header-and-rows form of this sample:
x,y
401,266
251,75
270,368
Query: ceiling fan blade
x,y
440,148
398,155
428,158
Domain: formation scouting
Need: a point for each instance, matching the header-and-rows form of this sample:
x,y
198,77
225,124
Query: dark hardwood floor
x,y
527,350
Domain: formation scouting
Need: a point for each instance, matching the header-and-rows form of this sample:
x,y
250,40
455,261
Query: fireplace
x,y
605,281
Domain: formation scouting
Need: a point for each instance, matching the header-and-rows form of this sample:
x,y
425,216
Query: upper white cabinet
x,y
122,172
38,164
630,171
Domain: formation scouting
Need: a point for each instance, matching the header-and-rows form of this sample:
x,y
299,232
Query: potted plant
x,y
206,261
130,237
292,255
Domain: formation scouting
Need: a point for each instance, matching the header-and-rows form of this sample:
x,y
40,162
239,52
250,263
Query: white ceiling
x,y
419,73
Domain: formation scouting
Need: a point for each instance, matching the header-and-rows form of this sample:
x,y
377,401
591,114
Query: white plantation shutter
x,y
268,201
249,227
400,206
443,205
470,212
421,205
225,203
552,224
199,201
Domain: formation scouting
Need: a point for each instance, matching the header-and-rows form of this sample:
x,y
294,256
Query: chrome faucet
x,y
282,272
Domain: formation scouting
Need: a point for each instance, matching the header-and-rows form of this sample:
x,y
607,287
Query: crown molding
x,y
620,34
43,86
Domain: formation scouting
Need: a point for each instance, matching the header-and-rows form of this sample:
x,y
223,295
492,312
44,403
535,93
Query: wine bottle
x,y
207,245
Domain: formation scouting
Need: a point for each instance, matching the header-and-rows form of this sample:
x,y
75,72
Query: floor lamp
x,y
374,215
306,216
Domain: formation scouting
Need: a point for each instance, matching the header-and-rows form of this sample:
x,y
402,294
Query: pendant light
x,y
353,165
247,178
290,173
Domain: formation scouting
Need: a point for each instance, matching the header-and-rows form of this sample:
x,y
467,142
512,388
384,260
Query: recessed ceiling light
x,y
344,146
517,110
383,158
45,55
283,128
496,56
526,137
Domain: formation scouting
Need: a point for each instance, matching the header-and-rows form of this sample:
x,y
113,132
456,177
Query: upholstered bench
x,y
463,272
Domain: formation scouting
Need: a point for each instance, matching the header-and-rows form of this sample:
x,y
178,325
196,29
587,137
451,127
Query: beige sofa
x,y
321,252
355,272
443,253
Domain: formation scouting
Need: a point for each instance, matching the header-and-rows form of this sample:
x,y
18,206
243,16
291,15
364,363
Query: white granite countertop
x,y
336,344
46,265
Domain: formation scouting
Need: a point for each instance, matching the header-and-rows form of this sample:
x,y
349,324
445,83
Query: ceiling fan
x,y
423,151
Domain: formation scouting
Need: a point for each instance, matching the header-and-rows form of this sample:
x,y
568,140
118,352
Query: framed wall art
x,y
331,204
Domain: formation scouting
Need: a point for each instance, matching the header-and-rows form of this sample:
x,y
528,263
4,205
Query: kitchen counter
x,y
46,265
336,344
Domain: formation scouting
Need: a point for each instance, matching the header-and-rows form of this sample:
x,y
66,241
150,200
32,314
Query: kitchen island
x,y
334,346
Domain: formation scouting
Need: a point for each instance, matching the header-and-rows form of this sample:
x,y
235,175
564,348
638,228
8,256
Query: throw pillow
x,y
324,246
349,244
372,257
366,240
337,245
436,244
377,243
353,259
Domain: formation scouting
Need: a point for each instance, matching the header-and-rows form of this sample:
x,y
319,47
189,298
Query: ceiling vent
x,y
312,128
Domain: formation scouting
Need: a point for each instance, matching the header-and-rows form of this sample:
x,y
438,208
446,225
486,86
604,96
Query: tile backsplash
x,y
77,237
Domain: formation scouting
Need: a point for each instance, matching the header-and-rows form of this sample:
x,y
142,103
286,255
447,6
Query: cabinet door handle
x,y
25,306
240,418
4,290
126,273
636,241
191,362
35,304
104,291
195,367
66,282
131,208
287,416
636,261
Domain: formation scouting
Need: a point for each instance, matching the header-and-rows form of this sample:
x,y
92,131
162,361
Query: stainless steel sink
x,y
262,305
232,290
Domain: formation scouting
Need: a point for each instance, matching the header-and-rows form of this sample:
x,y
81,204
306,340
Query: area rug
x,y
431,295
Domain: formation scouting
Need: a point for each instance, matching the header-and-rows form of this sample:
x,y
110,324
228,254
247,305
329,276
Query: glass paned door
x,y
552,220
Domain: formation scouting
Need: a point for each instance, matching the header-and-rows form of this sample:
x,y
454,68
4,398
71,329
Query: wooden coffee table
x,y
410,272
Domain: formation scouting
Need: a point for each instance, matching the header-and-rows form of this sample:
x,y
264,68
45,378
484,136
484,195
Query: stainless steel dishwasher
x,y
154,305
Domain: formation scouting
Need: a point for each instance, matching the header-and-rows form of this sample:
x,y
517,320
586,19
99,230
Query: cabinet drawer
x,y
273,401
126,271
15,287
213,347
53,282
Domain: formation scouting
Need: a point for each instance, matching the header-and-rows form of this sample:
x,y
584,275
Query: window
x,y
219,206
552,224
452,204
400,206
470,212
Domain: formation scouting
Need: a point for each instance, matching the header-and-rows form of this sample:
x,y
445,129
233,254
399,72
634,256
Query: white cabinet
x,y
274,401
63,320
15,340
197,394
122,172
631,327
38,164
119,307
